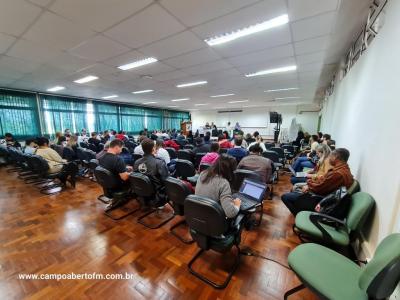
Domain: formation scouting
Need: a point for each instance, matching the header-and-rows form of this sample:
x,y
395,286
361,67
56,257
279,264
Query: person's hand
x,y
305,189
309,175
129,168
237,202
318,208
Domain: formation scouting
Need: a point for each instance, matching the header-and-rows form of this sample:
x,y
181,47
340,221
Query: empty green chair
x,y
308,224
333,276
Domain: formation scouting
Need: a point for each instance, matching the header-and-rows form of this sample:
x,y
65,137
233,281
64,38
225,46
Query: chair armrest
x,y
319,216
315,218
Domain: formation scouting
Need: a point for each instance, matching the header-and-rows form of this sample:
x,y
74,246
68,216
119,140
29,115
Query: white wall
x,y
252,119
363,115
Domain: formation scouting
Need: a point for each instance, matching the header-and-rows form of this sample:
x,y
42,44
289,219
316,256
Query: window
x,y
107,116
18,114
153,119
173,119
62,113
132,119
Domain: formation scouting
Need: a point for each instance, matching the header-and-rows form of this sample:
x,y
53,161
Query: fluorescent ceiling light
x,y
191,84
151,102
287,98
142,92
173,106
223,95
279,90
55,89
110,97
238,101
272,71
201,104
181,99
86,79
275,22
138,63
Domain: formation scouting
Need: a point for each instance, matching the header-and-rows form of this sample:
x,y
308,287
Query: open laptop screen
x,y
252,189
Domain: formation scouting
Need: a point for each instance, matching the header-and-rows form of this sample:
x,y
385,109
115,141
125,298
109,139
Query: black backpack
x,y
336,204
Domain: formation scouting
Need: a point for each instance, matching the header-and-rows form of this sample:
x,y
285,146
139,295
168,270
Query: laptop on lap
x,y
251,194
297,174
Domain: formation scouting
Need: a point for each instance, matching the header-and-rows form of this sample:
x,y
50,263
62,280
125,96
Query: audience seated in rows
x,y
257,163
160,152
200,146
337,176
138,149
215,182
238,152
54,160
224,142
211,156
171,144
30,146
258,140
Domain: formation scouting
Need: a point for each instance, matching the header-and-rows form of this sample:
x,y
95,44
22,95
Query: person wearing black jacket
x,y
201,147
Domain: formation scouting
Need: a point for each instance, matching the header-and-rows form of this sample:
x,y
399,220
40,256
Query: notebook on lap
x,y
251,194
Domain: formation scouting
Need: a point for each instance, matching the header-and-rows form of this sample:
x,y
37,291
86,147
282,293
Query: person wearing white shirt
x,y
259,140
161,152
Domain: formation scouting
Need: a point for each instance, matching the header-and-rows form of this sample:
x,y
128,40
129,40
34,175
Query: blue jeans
x,y
302,162
295,179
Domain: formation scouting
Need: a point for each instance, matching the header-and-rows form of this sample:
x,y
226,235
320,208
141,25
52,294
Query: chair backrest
x,y
269,145
381,275
136,156
82,154
39,164
188,146
93,164
205,218
223,150
177,191
360,207
171,152
184,168
68,154
354,188
204,166
278,150
242,174
272,155
93,147
141,185
186,154
105,178
84,145
198,158
90,154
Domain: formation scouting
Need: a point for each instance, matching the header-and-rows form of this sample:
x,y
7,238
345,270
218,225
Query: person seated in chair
x,y
30,146
201,147
214,183
259,141
10,141
153,167
224,142
211,156
94,139
257,163
113,162
138,148
238,151
51,156
337,176
161,152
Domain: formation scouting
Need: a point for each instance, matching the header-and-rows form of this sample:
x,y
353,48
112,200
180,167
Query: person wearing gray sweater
x,y
213,183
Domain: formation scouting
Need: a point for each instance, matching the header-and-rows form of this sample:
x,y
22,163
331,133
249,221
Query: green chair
x,y
354,188
311,225
333,276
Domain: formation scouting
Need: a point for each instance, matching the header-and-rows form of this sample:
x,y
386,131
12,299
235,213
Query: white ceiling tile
x,y
121,76
207,67
248,16
68,62
16,16
148,26
192,13
6,81
99,48
124,58
193,58
57,32
310,57
314,66
262,56
98,70
312,45
170,75
42,3
178,44
32,51
45,73
152,69
98,14
313,27
256,42
277,63
5,42
15,68
300,9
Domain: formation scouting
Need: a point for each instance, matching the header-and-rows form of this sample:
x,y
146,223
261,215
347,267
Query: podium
x,y
186,127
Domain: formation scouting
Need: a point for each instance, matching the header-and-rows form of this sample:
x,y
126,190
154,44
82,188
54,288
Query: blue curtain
x,y
18,114
62,113
154,119
173,119
132,119
106,116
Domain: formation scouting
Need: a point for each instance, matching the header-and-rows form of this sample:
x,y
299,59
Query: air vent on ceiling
x,y
229,111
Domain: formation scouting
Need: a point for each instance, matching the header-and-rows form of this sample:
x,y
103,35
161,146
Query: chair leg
x,y
293,290
108,211
171,230
152,211
208,281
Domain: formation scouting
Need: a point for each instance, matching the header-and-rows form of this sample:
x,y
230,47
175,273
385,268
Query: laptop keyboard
x,y
245,203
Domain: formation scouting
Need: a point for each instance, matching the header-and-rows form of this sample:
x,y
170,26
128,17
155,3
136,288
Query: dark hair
x,y
207,137
256,148
224,166
199,141
61,139
327,136
238,140
341,154
320,134
315,137
214,147
42,141
256,134
147,146
8,135
221,137
94,133
159,143
31,140
115,143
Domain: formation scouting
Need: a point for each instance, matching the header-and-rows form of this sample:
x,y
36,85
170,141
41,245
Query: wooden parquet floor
x,y
68,233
